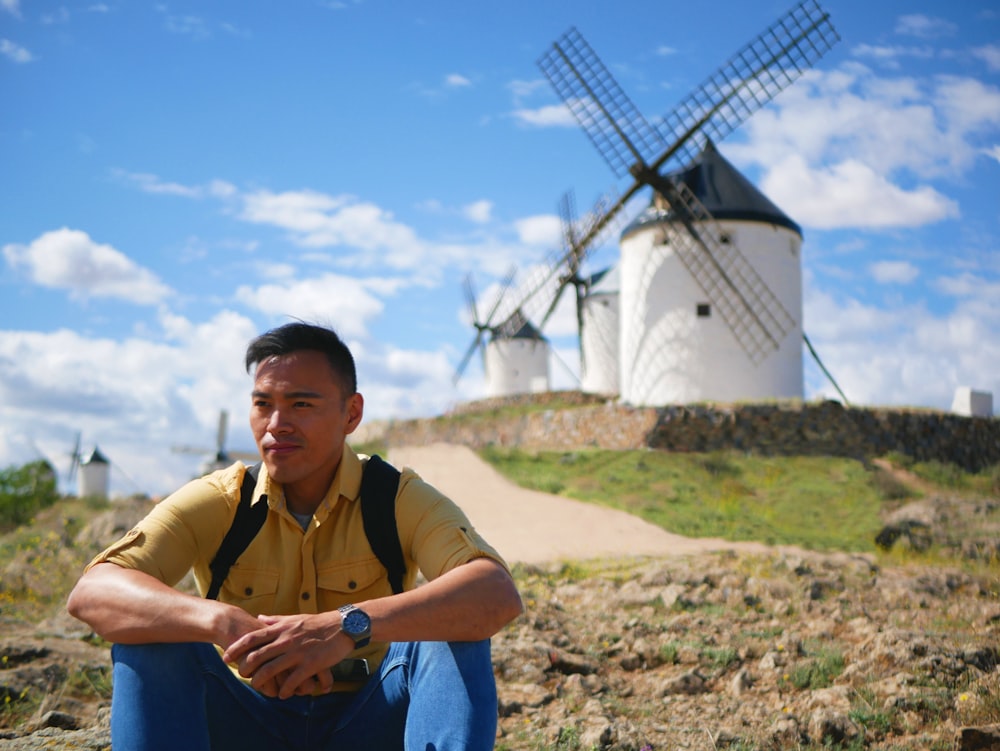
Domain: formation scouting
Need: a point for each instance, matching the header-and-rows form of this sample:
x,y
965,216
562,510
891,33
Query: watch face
x,y
356,623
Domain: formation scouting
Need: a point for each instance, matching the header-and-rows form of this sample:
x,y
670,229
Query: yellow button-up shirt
x,y
285,569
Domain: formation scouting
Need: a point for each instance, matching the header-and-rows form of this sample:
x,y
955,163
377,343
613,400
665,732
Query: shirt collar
x,y
346,483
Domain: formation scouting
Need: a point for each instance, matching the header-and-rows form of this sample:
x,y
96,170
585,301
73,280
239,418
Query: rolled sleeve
x,y
434,531
176,533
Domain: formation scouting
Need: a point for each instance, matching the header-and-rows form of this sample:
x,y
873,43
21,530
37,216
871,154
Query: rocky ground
x,y
784,649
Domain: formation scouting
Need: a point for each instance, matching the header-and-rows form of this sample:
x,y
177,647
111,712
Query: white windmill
x,y
516,355
221,457
599,326
710,306
94,475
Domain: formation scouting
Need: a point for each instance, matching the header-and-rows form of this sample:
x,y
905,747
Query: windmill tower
x,y
599,326
93,478
680,264
516,355
516,359
221,457
538,296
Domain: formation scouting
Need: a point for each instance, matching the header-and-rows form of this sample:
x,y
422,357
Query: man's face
x,y
300,418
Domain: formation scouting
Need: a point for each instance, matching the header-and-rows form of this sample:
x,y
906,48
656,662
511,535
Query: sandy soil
x,y
527,526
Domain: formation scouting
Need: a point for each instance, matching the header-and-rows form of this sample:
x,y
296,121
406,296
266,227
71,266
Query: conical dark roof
x,y
517,326
723,190
95,457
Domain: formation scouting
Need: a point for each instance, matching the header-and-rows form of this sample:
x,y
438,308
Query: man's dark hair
x,y
294,337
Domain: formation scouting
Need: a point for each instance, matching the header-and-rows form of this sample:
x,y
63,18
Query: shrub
x,y
24,491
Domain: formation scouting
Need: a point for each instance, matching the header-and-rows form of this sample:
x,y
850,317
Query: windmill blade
x,y
504,288
567,218
220,436
608,117
467,357
752,311
540,292
470,297
481,326
572,257
74,460
748,80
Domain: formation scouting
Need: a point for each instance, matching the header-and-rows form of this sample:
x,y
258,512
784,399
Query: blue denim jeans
x,y
426,696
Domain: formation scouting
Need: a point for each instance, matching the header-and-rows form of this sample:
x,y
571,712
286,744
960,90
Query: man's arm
x,y
469,603
127,606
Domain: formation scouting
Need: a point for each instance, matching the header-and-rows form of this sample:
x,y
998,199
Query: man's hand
x,y
291,654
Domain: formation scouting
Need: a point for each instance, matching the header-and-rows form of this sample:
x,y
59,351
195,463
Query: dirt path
x,y
532,527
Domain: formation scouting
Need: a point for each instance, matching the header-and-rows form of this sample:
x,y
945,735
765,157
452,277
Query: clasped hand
x,y
291,654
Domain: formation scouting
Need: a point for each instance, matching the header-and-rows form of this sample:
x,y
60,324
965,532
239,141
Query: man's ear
x,y
355,411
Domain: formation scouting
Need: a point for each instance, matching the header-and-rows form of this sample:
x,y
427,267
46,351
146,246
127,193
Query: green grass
x,y
818,503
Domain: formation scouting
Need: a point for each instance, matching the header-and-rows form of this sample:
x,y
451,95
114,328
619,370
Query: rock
x,y
568,664
828,727
741,683
687,683
54,719
985,738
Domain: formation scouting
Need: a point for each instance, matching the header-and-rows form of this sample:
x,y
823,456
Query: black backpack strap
x,y
246,524
379,485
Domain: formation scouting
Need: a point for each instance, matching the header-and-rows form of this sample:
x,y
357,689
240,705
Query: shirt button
x,y
352,585
305,595
248,591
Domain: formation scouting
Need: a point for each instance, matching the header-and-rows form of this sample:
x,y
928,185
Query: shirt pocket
x,y
254,590
353,581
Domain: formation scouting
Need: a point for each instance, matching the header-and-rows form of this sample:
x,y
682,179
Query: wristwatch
x,y
356,624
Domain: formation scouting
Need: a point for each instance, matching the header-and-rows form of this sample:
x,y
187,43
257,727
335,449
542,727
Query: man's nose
x,y
276,422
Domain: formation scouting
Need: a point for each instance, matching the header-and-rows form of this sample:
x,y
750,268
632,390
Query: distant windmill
x,y
680,265
515,354
221,458
74,459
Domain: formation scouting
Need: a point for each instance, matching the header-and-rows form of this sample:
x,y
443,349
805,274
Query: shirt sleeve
x,y
433,531
180,531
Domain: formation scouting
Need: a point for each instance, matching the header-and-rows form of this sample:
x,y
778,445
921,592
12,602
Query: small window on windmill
x,y
725,238
704,310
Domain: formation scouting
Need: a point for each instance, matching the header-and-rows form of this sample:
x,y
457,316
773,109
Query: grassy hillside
x,y
818,503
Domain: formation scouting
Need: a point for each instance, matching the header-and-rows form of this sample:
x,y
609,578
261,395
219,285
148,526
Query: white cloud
x,y
135,398
192,26
317,220
665,51
894,125
11,6
346,302
543,230
851,194
904,356
522,90
553,115
479,211
69,259
990,54
924,27
993,151
456,81
154,185
894,272
60,15
967,105
891,54
15,52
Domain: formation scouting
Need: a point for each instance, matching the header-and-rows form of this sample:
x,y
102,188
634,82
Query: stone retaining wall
x,y
822,428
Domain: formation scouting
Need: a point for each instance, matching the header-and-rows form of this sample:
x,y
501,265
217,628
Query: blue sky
x,y
178,177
